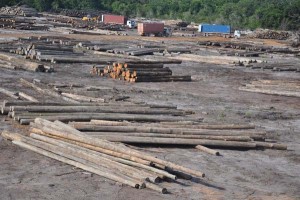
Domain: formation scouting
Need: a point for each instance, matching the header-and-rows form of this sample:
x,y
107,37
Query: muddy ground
x,y
213,94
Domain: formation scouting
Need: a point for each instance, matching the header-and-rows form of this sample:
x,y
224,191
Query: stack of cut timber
x,y
14,62
276,67
275,87
276,35
107,159
26,112
133,72
164,133
19,10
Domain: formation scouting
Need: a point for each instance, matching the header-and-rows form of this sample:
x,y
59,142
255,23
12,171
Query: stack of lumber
x,y
275,87
276,35
19,10
178,133
133,72
107,159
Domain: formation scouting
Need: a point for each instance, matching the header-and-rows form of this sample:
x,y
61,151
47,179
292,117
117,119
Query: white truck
x,y
131,23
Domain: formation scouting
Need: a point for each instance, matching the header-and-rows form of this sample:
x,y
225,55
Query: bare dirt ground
x,y
214,95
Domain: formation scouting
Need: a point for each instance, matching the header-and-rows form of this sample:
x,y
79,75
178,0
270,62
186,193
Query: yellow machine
x,y
89,18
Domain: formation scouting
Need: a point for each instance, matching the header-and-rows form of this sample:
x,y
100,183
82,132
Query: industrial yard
x,y
94,110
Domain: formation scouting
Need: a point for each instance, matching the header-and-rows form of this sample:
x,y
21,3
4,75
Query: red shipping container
x,y
114,19
147,28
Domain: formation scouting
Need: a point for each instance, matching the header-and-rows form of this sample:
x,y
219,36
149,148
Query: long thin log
x,y
157,135
9,93
78,60
121,149
267,145
177,141
29,103
46,91
82,98
207,150
140,129
109,116
63,110
27,97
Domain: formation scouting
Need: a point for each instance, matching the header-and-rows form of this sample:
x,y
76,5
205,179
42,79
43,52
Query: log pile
x,y
276,35
24,23
164,133
13,62
133,72
107,159
274,87
275,67
25,112
19,10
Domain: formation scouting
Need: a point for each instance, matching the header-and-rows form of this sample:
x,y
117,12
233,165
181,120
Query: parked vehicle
x,y
113,19
214,29
153,28
131,23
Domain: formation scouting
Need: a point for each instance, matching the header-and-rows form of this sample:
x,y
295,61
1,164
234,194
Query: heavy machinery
x,y
89,18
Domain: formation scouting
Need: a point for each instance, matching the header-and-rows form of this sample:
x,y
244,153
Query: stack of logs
x,y
19,10
276,35
138,72
107,159
275,87
178,133
25,112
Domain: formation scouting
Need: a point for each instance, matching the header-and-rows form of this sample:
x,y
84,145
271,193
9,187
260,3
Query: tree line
x,y
242,14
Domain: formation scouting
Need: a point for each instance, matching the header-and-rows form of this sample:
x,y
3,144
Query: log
x,y
143,66
112,104
114,147
162,78
107,116
177,141
46,91
82,98
63,110
142,128
27,97
156,135
271,145
9,93
272,92
207,150
79,60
